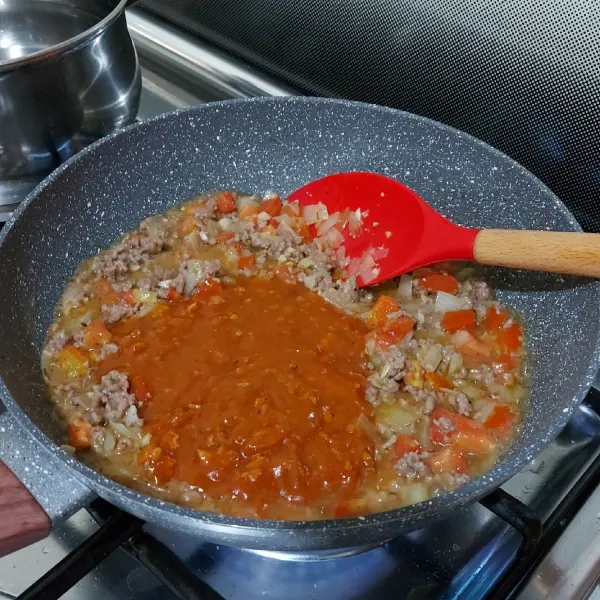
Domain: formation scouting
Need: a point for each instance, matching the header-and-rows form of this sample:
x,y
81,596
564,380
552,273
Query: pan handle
x,y
22,520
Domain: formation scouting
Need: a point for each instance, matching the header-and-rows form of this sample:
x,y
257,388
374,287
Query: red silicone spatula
x,y
415,235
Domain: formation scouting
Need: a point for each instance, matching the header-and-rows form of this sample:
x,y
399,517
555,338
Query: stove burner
x,y
315,555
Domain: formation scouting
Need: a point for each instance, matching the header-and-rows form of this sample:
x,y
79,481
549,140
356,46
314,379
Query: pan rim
x,y
511,463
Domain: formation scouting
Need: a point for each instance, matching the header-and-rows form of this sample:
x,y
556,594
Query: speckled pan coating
x,y
280,144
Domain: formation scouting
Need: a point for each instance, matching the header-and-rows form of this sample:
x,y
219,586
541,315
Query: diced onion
x,y
121,430
144,297
405,287
398,419
445,302
355,223
455,364
369,428
483,409
109,443
472,392
379,253
433,358
225,223
328,223
460,338
413,493
334,238
314,213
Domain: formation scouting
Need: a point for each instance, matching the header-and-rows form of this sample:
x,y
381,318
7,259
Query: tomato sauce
x,y
253,392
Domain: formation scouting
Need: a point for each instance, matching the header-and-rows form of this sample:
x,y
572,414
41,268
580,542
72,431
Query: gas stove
x,y
536,537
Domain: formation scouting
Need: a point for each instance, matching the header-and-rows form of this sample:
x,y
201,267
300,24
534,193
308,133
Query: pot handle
x,y
22,520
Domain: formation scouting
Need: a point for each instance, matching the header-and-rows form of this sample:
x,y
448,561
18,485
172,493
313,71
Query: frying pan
x,y
279,144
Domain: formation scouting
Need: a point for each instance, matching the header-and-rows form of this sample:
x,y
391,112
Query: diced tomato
x,y
448,460
422,272
271,206
223,237
457,320
248,212
225,202
474,441
380,311
140,388
173,295
291,209
162,470
404,445
397,329
285,273
495,318
510,338
247,262
438,434
96,334
208,288
473,347
500,422
440,282
302,230
438,382
80,434
380,338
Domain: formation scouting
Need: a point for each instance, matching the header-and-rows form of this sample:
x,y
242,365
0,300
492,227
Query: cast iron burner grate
x,y
118,528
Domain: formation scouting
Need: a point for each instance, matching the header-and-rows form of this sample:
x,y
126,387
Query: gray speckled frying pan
x,y
280,144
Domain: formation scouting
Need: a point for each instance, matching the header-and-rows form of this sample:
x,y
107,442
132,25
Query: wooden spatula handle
x,y
22,520
559,252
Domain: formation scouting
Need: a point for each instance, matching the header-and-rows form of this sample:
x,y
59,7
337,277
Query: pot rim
x,y
68,45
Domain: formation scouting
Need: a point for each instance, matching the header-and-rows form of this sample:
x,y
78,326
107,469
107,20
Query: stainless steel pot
x,y
69,74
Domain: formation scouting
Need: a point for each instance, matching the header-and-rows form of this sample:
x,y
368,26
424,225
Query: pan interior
x,y
279,145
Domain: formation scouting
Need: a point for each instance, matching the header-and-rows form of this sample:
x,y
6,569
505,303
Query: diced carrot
x,y
72,362
79,434
208,288
448,460
457,320
248,212
223,237
439,282
285,273
382,308
495,318
475,348
500,422
510,338
225,202
173,295
96,334
397,329
438,382
247,262
271,206
404,445
141,389
291,209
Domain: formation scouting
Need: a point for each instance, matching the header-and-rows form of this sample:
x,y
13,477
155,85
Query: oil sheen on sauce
x,y
254,392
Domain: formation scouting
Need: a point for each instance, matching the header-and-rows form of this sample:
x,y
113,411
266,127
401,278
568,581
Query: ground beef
x,y
480,292
57,342
110,400
412,465
445,424
387,370
463,405
111,313
131,253
107,350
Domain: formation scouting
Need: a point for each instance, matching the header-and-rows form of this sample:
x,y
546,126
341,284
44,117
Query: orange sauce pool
x,y
254,395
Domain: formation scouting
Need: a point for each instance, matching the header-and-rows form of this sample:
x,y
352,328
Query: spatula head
x,y
395,219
